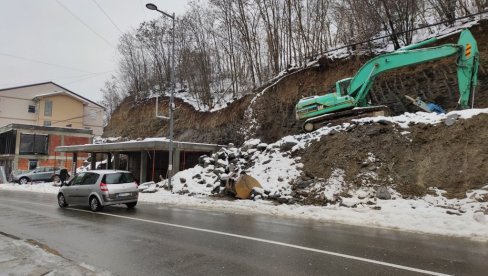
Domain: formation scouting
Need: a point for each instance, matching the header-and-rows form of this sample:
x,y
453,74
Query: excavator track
x,y
315,123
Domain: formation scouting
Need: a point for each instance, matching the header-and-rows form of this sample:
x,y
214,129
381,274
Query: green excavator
x,y
350,97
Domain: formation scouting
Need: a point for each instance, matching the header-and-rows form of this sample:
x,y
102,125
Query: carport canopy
x,y
140,153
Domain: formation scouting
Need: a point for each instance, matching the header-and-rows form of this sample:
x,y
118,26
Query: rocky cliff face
x,y
270,116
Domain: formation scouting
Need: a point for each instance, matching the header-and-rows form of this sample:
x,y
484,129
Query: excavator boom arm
x,y
467,68
467,63
361,83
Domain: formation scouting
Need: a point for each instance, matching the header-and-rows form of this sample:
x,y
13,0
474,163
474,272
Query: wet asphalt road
x,y
156,239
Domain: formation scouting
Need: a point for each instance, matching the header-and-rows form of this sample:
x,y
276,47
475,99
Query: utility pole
x,y
171,99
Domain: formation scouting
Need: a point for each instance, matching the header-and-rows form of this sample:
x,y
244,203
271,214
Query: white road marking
x,y
341,255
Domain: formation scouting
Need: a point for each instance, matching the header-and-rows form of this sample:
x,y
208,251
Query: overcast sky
x,y
70,42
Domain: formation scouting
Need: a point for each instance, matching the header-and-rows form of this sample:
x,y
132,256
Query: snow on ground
x,y
428,214
20,257
274,167
403,120
406,119
221,98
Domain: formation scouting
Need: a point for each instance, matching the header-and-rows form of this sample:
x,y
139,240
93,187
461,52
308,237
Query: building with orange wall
x,y
26,147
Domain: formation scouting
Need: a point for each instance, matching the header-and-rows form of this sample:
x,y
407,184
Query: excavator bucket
x,y
467,68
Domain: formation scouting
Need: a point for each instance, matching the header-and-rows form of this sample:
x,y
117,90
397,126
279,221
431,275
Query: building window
x,y
32,109
48,108
32,165
69,125
7,143
33,144
47,123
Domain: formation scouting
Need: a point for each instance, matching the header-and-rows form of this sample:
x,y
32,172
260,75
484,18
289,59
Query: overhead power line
x,y
45,63
108,17
86,25
399,33
84,75
88,77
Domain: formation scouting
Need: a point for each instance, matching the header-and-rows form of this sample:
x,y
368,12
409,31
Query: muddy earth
x,y
453,158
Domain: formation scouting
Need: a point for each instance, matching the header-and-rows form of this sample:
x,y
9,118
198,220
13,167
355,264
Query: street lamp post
x,y
171,100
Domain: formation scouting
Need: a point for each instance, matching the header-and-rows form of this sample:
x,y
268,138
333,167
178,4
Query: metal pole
x,y
171,108
171,99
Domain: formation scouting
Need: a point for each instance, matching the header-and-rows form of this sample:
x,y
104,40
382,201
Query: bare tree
x,y
226,48
445,9
112,96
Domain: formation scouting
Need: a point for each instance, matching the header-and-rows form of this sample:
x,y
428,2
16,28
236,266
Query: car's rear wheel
x,y
62,201
131,205
95,204
23,180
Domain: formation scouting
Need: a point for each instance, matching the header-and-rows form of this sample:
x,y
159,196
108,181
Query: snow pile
x,y
38,187
101,140
403,120
221,97
420,117
330,189
156,139
271,165
222,102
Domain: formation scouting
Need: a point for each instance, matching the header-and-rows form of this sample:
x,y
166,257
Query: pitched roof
x,y
50,82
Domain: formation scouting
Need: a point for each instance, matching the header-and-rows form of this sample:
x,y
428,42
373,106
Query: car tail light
x,y
103,187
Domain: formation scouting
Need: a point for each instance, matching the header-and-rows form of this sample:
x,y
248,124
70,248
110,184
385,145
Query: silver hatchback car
x,y
38,174
99,188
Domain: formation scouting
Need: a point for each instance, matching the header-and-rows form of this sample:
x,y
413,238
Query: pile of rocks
x,y
228,164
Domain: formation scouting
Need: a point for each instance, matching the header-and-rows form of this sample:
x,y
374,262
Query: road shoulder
x,y
30,257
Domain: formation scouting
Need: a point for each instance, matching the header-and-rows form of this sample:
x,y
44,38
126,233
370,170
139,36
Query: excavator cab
x,y
341,86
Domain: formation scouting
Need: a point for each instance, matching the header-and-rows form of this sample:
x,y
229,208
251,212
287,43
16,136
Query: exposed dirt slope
x,y
453,158
134,120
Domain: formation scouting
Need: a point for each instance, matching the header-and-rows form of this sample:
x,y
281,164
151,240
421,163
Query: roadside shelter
x,y
147,160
